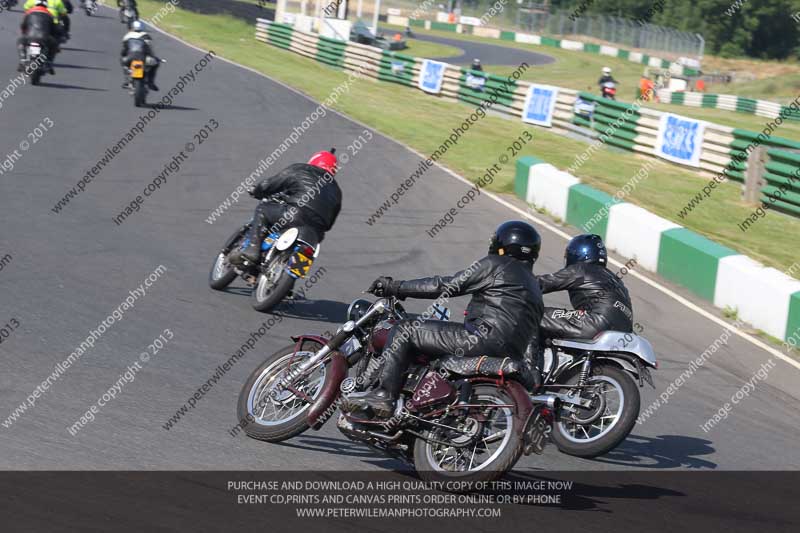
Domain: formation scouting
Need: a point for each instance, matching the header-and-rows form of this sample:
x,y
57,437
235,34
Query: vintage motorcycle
x,y
36,64
137,78
128,12
89,7
285,257
596,383
609,90
458,418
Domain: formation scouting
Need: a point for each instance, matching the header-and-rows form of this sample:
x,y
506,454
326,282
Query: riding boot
x,y
251,252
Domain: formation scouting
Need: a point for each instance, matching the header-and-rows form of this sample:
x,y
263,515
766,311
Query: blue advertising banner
x,y
431,76
680,139
539,105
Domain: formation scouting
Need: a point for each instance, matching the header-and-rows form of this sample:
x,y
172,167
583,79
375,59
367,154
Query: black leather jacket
x,y
38,25
506,300
594,289
310,188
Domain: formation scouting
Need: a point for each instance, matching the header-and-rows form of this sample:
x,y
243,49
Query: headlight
x,y
358,309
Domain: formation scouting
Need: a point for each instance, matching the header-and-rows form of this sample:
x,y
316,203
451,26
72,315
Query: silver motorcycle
x,y
597,383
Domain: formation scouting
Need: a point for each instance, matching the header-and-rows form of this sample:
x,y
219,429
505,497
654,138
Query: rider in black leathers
x,y
598,296
312,201
505,309
38,25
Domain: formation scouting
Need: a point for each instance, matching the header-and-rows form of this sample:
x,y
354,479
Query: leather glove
x,y
252,191
385,286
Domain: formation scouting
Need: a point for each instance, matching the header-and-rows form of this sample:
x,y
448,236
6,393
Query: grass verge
x,y
423,122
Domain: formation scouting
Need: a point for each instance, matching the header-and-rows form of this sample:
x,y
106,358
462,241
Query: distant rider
x,y
311,199
137,44
37,25
606,77
598,296
476,65
503,314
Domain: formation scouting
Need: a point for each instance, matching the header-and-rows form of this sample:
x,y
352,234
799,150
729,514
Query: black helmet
x,y
517,239
586,248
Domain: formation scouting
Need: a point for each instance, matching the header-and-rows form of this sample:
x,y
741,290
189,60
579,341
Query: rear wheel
x,y
484,445
139,93
618,408
273,285
279,416
36,77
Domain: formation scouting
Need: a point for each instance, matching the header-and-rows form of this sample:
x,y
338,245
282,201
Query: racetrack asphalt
x,y
489,54
70,270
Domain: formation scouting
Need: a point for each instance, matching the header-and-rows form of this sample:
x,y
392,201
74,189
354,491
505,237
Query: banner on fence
x,y
539,105
431,76
680,139
475,82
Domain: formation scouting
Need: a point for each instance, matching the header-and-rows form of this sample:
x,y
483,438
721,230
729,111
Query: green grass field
x,y
423,122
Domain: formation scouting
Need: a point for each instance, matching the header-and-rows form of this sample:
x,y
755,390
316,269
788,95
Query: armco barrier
x,y
765,297
627,126
728,102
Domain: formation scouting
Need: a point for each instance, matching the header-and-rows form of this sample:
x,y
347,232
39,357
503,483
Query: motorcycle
x,y
36,64
89,7
596,383
7,4
137,79
128,12
285,257
458,418
609,90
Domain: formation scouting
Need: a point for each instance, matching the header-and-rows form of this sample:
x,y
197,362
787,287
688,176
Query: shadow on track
x,y
172,107
664,451
65,65
67,86
318,310
82,50
584,496
346,448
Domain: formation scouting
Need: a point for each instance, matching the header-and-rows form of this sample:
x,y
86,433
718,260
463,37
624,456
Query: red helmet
x,y
325,160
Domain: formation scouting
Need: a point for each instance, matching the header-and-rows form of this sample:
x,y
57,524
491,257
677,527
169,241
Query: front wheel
x,y
277,417
139,93
487,444
619,405
272,286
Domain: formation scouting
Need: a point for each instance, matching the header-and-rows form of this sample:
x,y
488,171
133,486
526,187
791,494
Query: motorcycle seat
x,y
482,366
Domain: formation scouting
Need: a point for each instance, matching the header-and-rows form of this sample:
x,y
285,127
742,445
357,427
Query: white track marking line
x,y
669,292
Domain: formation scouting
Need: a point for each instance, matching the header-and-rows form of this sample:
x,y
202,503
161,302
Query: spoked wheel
x,y
274,415
596,430
272,286
222,272
481,446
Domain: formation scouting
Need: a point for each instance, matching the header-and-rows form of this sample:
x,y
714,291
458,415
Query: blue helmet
x,y
586,248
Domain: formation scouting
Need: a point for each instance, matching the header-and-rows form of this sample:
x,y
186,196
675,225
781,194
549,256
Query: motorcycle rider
x,y
312,200
60,10
606,77
476,65
503,314
599,298
121,4
137,44
37,25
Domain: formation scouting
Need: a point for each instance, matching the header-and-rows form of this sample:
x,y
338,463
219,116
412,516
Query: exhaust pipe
x,y
550,401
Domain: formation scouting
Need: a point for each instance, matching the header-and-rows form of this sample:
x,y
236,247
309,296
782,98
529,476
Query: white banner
x,y
680,139
539,105
431,75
